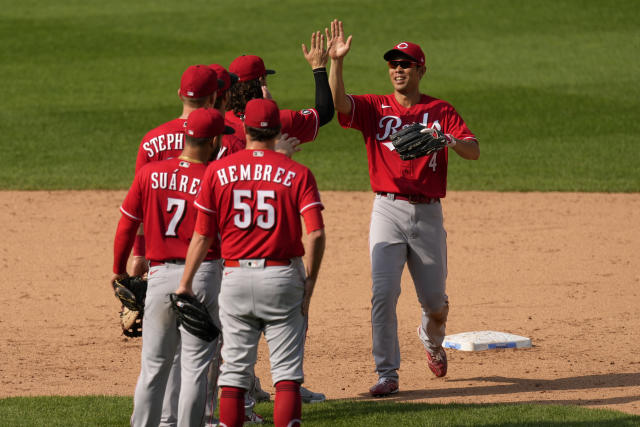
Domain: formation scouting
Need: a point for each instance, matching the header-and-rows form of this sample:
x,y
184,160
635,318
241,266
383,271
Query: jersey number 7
x,y
178,205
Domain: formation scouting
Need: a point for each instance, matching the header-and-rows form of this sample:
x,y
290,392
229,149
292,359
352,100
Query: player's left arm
x,y
311,211
316,241
463,142
466,148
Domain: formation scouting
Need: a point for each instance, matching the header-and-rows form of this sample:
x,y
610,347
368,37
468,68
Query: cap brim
x,y
269,71
228,130
233,77
220,83
393,52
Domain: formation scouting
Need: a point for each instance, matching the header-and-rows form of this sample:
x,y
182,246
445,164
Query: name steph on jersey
x,y
174,181
255,172
165,142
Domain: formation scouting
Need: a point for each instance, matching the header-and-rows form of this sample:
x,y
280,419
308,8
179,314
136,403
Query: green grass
x,y
115,411
552,89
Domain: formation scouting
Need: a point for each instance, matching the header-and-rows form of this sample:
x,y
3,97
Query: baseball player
x,y
252,84
301,125
167,140
406,221
161,196
254,199
164,142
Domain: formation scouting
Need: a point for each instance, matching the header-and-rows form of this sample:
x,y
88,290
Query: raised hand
x,y
317,56
338,47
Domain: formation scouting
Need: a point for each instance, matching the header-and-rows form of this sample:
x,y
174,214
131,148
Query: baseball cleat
x,y
253,419
259,395
384,387
310,397
436,358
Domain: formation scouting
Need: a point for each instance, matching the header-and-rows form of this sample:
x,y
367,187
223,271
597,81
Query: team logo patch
x,y
258,153
306,112
402,45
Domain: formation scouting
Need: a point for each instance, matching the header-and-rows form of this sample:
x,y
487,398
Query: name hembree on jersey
x,y
169,141
261,172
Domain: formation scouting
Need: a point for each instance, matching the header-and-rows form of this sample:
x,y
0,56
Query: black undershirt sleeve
x,y
324,99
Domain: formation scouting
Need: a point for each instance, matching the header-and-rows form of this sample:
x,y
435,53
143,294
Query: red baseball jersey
x,y
162,196
258,197
301,124
380,116
164,142
236,141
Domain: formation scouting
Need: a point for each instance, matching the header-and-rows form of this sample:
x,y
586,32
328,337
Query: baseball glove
x,y
131,291
194,316
131,322
417,140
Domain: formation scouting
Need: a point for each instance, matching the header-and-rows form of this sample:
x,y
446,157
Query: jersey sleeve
x,y
132,204
309,196
301,124
456,126
204,200
313,219
362,113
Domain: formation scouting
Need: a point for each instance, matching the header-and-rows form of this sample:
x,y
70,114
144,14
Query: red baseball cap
x,y
206,123
409,49
228,79
262,113
249,67
199,81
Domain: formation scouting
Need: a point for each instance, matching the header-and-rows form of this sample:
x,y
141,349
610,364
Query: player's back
x,y
163,142
168,190
258,196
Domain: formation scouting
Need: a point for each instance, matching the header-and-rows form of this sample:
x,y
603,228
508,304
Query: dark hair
x,y
196,102
243,92
260,134
197,141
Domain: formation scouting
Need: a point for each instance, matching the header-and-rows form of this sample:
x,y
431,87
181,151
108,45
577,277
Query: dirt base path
x,y
560,268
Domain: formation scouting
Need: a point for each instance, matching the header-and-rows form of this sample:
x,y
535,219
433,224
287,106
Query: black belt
x,y
411,198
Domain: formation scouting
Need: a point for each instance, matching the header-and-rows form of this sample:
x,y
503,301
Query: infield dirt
x,y
560,268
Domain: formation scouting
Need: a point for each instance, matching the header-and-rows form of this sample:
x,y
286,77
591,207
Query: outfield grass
x,y
115,411
552,89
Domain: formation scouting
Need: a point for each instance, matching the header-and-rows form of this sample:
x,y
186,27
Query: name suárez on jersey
x,y
175,182
164,142
255,172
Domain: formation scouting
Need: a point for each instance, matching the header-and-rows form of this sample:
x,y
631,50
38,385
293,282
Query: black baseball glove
x,y
417,140
194,316
131,291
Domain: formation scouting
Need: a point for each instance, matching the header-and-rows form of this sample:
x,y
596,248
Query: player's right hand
x,y
185,289
338,46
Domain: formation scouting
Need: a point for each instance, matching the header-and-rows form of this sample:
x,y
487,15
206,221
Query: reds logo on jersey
x,y
392,124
